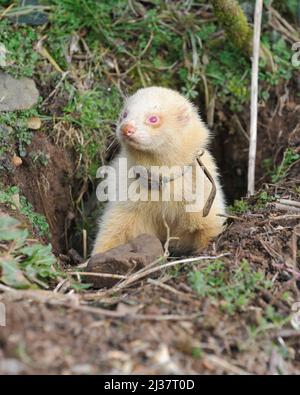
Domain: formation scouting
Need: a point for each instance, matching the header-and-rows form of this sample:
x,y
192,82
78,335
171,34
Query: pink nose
x,y
127,129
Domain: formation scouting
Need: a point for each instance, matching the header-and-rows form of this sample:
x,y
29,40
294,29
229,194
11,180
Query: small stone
x,y
17,161
34,123
17,94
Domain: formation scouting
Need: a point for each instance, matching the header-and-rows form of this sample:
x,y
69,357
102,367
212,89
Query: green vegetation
x,y
239,207
167,43
14,131
92,114
12,198
232,17
234,288
85,60
263,198
290,157
24,265
21,56
100,51
197,352
278,173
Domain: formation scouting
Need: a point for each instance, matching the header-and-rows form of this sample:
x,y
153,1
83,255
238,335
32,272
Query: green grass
x,y
234,289
92,113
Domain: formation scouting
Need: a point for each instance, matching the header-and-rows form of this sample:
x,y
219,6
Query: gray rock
x,y
17,94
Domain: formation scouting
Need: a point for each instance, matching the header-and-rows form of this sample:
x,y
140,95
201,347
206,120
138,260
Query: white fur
x,y
181,135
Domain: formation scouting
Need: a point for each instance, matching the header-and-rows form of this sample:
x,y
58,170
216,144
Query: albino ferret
x,y
159,127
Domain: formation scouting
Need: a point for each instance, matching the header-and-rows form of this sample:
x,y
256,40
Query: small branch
x,y
168,288
84,242
104,275
254,97
284,207
226,366
289,202
169,238
146,271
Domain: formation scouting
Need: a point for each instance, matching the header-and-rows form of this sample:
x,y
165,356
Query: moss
x,y
234,21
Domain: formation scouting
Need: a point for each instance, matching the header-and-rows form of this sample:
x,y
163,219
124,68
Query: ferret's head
x,y
160,120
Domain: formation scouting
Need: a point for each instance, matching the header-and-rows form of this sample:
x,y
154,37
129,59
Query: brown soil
x,y
148,336
48,188
148,328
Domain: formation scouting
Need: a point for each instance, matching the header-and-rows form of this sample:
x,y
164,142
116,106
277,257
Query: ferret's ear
x,y
184,115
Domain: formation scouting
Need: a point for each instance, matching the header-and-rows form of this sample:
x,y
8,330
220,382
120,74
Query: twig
x,y
105,275
284,207
6,10
281,217
289,202
145,272
84,242
167,287
169,238
225,365
43,52
60,285
254,96
231,217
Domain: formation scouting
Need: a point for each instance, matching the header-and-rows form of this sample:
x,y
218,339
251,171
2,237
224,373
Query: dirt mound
x,y
48,187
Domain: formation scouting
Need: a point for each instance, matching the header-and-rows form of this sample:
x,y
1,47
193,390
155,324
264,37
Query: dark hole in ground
x,y
232,167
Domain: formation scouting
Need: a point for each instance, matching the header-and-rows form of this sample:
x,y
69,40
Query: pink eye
x,y
153,119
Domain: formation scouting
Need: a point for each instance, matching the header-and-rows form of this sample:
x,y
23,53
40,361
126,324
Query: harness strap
x,y
162,181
